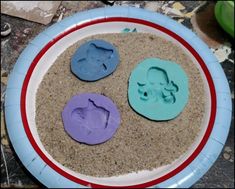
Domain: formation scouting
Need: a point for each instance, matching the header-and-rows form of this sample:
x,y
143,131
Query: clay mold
x,y
90,118
158,89
94,60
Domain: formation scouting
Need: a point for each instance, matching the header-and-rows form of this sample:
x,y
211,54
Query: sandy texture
x,y
138,143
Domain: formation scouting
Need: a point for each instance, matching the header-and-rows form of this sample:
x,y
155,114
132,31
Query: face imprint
x,y
97,58
90,118
158,87
94,60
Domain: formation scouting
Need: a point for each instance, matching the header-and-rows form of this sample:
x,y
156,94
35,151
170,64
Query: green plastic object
x,y
158,89
224,13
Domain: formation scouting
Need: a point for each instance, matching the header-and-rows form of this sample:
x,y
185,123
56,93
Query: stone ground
x,y
196,15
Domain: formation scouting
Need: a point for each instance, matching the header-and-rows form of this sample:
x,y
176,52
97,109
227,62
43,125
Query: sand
x,y
139,143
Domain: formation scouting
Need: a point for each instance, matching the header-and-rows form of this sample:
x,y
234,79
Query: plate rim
x,y
216,139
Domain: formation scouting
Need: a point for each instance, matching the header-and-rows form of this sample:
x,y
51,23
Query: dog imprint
x,y
158,87
91,117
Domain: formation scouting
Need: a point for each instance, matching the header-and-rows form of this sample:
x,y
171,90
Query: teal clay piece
x,y
158,89
127,30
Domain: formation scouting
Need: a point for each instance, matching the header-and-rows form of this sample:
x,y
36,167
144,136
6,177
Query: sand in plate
x,y
139,143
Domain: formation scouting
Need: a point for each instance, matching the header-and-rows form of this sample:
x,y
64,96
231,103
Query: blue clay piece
x,y
94,60
158,89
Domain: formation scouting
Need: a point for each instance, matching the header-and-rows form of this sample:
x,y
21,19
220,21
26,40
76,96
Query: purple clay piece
x,y
90,118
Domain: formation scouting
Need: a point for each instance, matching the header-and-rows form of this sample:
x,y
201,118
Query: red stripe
x,y
120,19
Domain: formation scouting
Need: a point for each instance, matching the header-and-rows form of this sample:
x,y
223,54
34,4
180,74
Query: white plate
x,y
42,52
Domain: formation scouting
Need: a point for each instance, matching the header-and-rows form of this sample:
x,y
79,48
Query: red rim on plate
x,y
132,20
